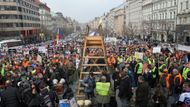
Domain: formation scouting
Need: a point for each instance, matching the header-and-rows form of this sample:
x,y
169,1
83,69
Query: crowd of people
x,y
35,79
151,79
30,78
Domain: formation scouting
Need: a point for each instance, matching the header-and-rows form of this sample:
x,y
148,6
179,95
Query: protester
x,y
55,72
103,92
124,91
89,85
10,96
159,100
184,99
142,93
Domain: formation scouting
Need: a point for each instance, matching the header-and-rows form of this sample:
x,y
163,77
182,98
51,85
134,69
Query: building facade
x,y
164,19
94,23
110,21
147,11
120,20
183,21
45,21
19,19
134,17
45,16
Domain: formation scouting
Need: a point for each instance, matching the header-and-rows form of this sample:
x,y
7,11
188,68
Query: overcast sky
x,y
82,10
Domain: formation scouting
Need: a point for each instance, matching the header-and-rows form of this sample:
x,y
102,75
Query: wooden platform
x,y
91,42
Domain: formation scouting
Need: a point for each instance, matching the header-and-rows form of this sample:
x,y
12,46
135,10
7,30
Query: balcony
x,y
8,4
146,2
18,28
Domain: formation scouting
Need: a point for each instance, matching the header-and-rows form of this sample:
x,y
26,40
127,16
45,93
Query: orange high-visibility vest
x,y
180,78
54,61
111,61
168,81
25,63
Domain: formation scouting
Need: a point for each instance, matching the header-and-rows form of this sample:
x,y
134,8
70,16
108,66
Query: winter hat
x,y
80,102
55,81
62,81
87,102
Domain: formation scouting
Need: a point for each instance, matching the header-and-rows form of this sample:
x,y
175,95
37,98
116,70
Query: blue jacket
x,y
91,84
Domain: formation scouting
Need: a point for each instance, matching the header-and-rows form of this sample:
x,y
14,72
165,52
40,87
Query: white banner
x,y
183,48
156,50
26,52
42,49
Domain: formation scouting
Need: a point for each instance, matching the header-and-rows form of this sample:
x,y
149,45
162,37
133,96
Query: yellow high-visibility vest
x,y
102,88
140,68
33,72
119,60
185,72
160,69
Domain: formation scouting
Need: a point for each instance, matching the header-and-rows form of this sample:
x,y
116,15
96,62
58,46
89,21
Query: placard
x,y
42,49
34,51
26,52
12,51
73,103
156,50
50,50
183,48
138,55
122,50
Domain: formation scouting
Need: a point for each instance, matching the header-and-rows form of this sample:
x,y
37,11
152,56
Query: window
x,y
181,5
180,20
175,3
187,4
185,20
166,4
2,8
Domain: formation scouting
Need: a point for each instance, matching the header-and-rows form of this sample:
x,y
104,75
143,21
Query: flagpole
x,y
58,36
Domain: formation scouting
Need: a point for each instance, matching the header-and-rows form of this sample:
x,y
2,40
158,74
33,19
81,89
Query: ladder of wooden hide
x,y
91,43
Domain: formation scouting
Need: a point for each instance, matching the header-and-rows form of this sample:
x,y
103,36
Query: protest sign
x,y
122,50
138,55
183,48
156,50
42,49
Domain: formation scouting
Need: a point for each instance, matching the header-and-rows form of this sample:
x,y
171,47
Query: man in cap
x,y
184,99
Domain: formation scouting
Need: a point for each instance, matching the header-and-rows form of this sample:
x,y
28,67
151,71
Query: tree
x,y
130,30
167,29
45,33
147,27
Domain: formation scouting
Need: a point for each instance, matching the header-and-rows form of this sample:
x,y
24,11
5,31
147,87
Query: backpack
x,y
164,80
45,98
25,91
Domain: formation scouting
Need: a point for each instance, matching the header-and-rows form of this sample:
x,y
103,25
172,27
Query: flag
x,y
59,35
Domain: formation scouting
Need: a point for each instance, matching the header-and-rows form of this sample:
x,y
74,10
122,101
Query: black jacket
x,y
115,78
10,97
142,93
125,89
